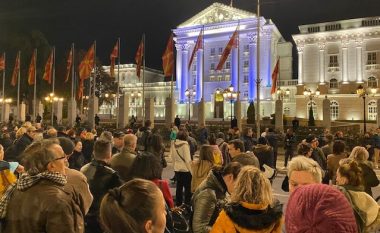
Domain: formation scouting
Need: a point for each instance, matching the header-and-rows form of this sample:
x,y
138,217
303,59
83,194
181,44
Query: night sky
x,y
83,21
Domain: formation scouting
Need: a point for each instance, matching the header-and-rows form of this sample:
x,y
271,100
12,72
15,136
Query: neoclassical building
x,y
219,22
334,58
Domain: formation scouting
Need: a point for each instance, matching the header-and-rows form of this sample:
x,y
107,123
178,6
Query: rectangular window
x,y
220,50
371,58
246,78
246,64
194,67
212,52
246,48
333,61
212,66
228,65
227,77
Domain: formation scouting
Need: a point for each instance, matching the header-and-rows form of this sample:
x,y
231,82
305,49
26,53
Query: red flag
x,y
227,50
274,77
32,69
168,58
69,64
87,64
80,89
113,56
2,62
139,58
48,68
16,70
198,45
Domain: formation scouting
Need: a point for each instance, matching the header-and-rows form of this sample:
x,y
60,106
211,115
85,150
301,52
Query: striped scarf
x,y
26,181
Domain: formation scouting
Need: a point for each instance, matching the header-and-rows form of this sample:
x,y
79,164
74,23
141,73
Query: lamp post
x,y
362,93
136,96
282,93
311,95
190,93
230,95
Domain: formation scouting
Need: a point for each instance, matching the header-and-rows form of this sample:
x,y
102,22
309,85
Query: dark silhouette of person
x,y
38,118
78,120
97,120
177,121
234,123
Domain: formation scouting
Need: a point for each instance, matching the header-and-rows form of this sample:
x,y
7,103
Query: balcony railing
x,y
282,83
332,69
372,67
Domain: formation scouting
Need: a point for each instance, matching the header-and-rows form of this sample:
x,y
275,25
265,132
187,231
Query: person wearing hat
x,y
319,208
13,153
118,142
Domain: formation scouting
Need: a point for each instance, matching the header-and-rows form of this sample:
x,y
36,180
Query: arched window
x,y
333,83
314,107
372,110
372,82
286,111
334,110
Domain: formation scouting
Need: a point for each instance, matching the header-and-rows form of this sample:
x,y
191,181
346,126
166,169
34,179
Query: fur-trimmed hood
x,y
254,216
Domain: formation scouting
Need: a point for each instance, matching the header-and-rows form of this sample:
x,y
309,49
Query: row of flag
x,y
88,62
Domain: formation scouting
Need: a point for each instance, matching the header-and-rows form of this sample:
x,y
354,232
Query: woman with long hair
x,y
252,207
156,146
202,166
138,206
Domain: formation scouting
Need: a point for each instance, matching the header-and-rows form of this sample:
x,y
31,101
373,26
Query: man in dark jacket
x,y
100,178
61,132
236,151
143,135
122,162
248,139
118,142
289,145
272,141
177,121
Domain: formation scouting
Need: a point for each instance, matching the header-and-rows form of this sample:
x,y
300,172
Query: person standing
x,y
101,178
78,120
97,120
376,145
38,118
177,121
289,146
295,124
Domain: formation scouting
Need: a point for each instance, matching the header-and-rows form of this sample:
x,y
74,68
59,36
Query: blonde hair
x,y
253,187
89,136
20,132
359,154
302,163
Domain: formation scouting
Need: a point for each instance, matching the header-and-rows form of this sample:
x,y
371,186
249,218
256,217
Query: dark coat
x,y
249,142
369,177
265,155
87,149
14,152
76,160
122,162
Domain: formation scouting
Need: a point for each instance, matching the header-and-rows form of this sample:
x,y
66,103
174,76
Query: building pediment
x,y
217,13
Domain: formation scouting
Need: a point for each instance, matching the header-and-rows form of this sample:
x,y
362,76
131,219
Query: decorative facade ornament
x,y
252,38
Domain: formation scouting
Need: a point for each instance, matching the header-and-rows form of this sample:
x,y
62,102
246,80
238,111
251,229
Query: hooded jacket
x,y
265,155
180,154
249,218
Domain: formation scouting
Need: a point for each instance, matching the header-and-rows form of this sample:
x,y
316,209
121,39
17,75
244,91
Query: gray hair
x,y
38,155
302,163
129,140
359,153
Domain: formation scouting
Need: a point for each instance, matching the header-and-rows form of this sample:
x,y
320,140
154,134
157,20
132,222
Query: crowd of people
x,y
80,180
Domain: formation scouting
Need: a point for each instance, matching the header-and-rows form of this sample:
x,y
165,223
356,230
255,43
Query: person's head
x,y
21,131
130,142
155,143
338,147
253,187
31,131
221,136
304,149
206,153
146,166
102,150
349,173
212,139
78,145
52,133
118,139
235,147
136,206
303,171
44,155
89,136
312,140
360,154
248,132
262,141
329,138
182,135
148,124
67,145
71,133
289,131
319,208
339,134
61,129
106,135
229,173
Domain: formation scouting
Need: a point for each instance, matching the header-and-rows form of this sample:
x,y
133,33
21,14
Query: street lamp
x,y
311,95
190,93
362,93
282,93
136,96
230,95
51,98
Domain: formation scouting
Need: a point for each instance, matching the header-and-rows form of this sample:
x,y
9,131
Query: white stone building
x,y
335,58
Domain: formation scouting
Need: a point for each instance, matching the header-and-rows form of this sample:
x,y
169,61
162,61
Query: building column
x,y
201,112
359,64
93,108
149,109
252,68
184,73
268,56
322,63
279,121
123,111
199,81
234,67
300,65
169,111
378,113
326,113
71,111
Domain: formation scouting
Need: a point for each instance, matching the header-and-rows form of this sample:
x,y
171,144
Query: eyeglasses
x,y
63,157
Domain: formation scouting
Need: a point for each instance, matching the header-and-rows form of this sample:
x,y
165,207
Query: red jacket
x,y
164,186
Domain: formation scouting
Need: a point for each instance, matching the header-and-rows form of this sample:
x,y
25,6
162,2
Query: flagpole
x,y
52,101
258,79
94,79
3,92
238,71
18,87
172,78
203,65
35,86
143,84
72,73
118,84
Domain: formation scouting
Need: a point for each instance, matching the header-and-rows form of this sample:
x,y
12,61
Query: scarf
x,y
26,181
